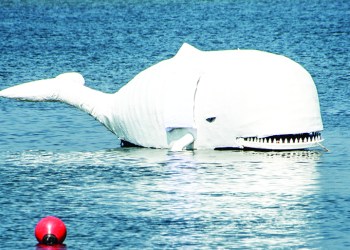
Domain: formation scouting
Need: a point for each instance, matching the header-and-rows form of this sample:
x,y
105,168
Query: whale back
x,y
159,99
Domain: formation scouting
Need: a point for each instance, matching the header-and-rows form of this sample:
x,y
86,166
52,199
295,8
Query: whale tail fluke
x,y
44,90
68,88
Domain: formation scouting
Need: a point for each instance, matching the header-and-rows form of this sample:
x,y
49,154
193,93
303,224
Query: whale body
x,y
200,100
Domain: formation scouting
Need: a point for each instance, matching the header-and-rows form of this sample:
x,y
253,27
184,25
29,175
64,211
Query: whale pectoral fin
x,y
182,143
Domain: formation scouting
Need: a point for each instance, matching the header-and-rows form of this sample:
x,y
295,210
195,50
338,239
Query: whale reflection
x,y
252,199
256,197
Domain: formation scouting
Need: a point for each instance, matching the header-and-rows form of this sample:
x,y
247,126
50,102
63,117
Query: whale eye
x,y
210,119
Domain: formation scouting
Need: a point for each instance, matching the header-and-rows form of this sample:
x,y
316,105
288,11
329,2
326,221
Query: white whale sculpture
x,y
200,100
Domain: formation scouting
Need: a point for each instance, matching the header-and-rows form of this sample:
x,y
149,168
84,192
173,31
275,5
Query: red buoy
x,y
50,231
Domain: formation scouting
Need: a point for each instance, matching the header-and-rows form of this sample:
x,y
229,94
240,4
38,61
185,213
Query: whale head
x,y
256,99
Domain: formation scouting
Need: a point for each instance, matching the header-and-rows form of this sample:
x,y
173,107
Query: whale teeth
x,y
283,139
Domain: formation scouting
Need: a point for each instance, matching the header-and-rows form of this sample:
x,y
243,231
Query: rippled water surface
x,y
55,160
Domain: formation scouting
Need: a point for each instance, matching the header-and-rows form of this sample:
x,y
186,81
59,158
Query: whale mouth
x,y
282,142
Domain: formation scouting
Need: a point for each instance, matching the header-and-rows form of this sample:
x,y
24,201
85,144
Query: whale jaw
x,y
282,142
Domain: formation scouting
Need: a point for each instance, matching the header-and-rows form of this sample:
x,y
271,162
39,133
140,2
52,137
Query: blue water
x,y
55,160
